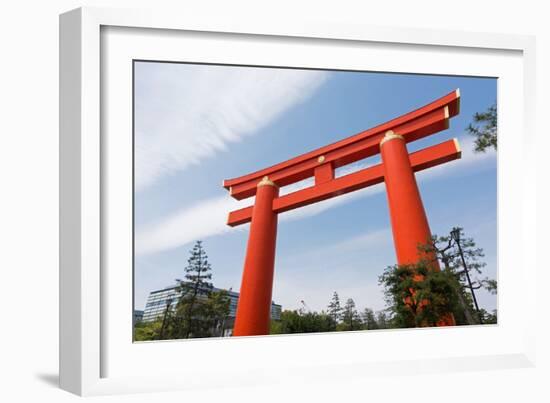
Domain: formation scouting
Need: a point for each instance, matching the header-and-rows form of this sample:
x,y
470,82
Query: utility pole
x,y
168,303
455,234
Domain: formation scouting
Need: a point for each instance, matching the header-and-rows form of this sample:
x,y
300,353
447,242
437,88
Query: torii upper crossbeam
x,y
408,218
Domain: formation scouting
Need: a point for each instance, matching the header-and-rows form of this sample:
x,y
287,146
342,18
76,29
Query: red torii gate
x,y
408,219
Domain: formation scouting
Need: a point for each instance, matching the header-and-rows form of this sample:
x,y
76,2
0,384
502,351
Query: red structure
x,y
408,218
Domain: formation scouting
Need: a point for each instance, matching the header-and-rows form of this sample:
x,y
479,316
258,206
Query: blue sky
x,y
196,125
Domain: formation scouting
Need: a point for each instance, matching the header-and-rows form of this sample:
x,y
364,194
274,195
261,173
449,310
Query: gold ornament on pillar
x,y
266,181
390,135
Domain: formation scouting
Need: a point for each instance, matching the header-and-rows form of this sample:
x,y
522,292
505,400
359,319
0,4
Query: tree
x,y
193,314
166,320
147,331
489,318
217,305
369,319
484,128
418,296
382,320
199,311
350,317
448,250
334,308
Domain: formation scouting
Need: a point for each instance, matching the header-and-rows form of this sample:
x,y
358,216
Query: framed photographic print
x,y
287,198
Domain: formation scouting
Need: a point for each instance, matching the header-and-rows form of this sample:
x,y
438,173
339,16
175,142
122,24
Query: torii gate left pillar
x,y
254,308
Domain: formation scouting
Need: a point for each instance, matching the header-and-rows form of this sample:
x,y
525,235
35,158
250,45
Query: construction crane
x,y
306,308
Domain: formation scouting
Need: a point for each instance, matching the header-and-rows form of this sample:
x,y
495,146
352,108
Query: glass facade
x,y
138,316
158,300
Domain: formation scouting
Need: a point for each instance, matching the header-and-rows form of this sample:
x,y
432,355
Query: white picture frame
x,y
85,344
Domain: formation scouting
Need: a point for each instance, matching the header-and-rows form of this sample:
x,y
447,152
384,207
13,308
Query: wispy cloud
x,y
186,113
208,217
202,220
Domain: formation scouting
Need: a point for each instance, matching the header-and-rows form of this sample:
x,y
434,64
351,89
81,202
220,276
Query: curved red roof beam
x,y
422,122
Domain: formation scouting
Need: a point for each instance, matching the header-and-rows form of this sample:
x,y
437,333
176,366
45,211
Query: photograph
x,y
270,200
266,202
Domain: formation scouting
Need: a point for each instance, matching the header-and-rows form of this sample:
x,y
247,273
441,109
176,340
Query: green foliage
x,y
447,250
418,296
303,322
337,318
199,312
490,285
145,331
484,128
276,326
489,318
217,310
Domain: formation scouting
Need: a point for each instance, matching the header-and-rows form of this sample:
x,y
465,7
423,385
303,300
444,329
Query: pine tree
x,y
447,251
484,129
418,296
350,316
334,308
192,312
382,320
369,319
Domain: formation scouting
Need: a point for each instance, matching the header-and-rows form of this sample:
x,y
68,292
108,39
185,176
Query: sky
x,y
196,125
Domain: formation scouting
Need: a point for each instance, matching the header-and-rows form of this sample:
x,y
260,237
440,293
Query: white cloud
x,y
186,113
204,219
208,217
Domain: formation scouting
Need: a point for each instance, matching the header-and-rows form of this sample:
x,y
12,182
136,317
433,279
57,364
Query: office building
x,y
158,301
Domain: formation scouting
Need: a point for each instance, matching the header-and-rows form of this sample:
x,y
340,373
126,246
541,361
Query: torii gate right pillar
x,y
408,219
409,223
